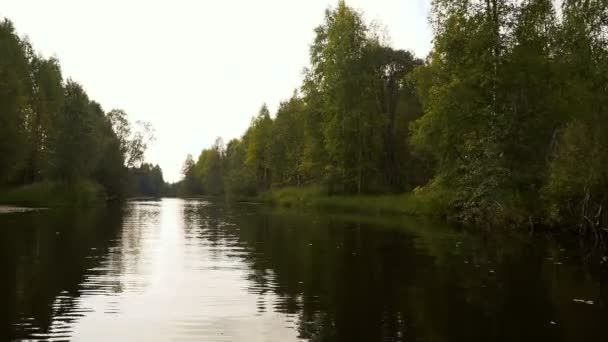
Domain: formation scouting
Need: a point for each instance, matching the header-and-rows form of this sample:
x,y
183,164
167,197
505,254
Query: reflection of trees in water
x,y
206,221
45,257
360,279
324,272
340,278
126,257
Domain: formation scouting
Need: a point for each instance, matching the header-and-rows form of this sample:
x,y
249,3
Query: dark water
x,y
176,270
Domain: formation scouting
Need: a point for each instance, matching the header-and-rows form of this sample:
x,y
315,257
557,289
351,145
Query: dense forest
x,y
52,136
503,121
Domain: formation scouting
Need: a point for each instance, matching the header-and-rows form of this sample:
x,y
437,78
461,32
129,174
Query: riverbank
x,y
53,194
424,202
413,203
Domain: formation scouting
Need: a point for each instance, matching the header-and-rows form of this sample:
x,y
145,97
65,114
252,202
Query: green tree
x,y
47,103
577,182
110,171
287,143
396,106
239,180
209,168
52,131
338,72
78,145
14,103
191,184
314,157
148,180
133,143
464,118
258,140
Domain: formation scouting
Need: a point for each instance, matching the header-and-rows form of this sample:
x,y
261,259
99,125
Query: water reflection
x,y
44,259
207,271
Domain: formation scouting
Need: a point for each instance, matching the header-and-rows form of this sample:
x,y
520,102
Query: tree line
x,y
346,128
51,131
503,121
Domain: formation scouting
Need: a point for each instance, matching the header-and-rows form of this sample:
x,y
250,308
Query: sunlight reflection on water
x,y
168,283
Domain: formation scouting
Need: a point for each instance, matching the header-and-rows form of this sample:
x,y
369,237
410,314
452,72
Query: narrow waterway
x,y
195,270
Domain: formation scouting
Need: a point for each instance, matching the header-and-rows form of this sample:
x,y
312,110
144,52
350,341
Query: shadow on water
x,y
200,270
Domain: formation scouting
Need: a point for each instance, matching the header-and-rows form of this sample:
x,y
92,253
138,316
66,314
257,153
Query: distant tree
x,y
258,148
209,168
287,143
191,185
133,143
148,180
110,171
239,179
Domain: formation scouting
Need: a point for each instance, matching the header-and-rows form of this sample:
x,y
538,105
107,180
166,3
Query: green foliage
x,y
190,185
346,130
337,68
78,143
258,148
287,143
578,167
514,110
133,144
111,172
577,181
14,106
147,181
209,169
503,123
55,194
52,133
47,103
239,180
314,197
491,95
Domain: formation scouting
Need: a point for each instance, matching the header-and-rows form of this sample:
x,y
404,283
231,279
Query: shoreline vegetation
x,y
418,203
318,199
57,194
503,123
53,194
58,147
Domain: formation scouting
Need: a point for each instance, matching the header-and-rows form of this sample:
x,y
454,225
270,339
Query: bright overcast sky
x,y
194,69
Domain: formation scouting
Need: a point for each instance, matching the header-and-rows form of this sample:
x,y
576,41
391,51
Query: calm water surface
x,y
193,270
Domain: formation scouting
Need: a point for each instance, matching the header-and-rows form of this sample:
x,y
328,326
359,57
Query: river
x,y
197,270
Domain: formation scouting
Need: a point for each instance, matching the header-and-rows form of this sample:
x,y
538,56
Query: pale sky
x,y
195,69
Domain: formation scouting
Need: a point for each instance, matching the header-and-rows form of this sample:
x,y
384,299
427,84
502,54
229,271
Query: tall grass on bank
x,y
54,194
417,202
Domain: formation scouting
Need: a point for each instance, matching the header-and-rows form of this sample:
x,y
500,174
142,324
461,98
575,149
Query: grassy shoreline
x,y
53,194
434,203
412,203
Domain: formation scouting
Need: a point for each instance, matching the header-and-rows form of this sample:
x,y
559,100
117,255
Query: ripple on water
x,y
197,271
